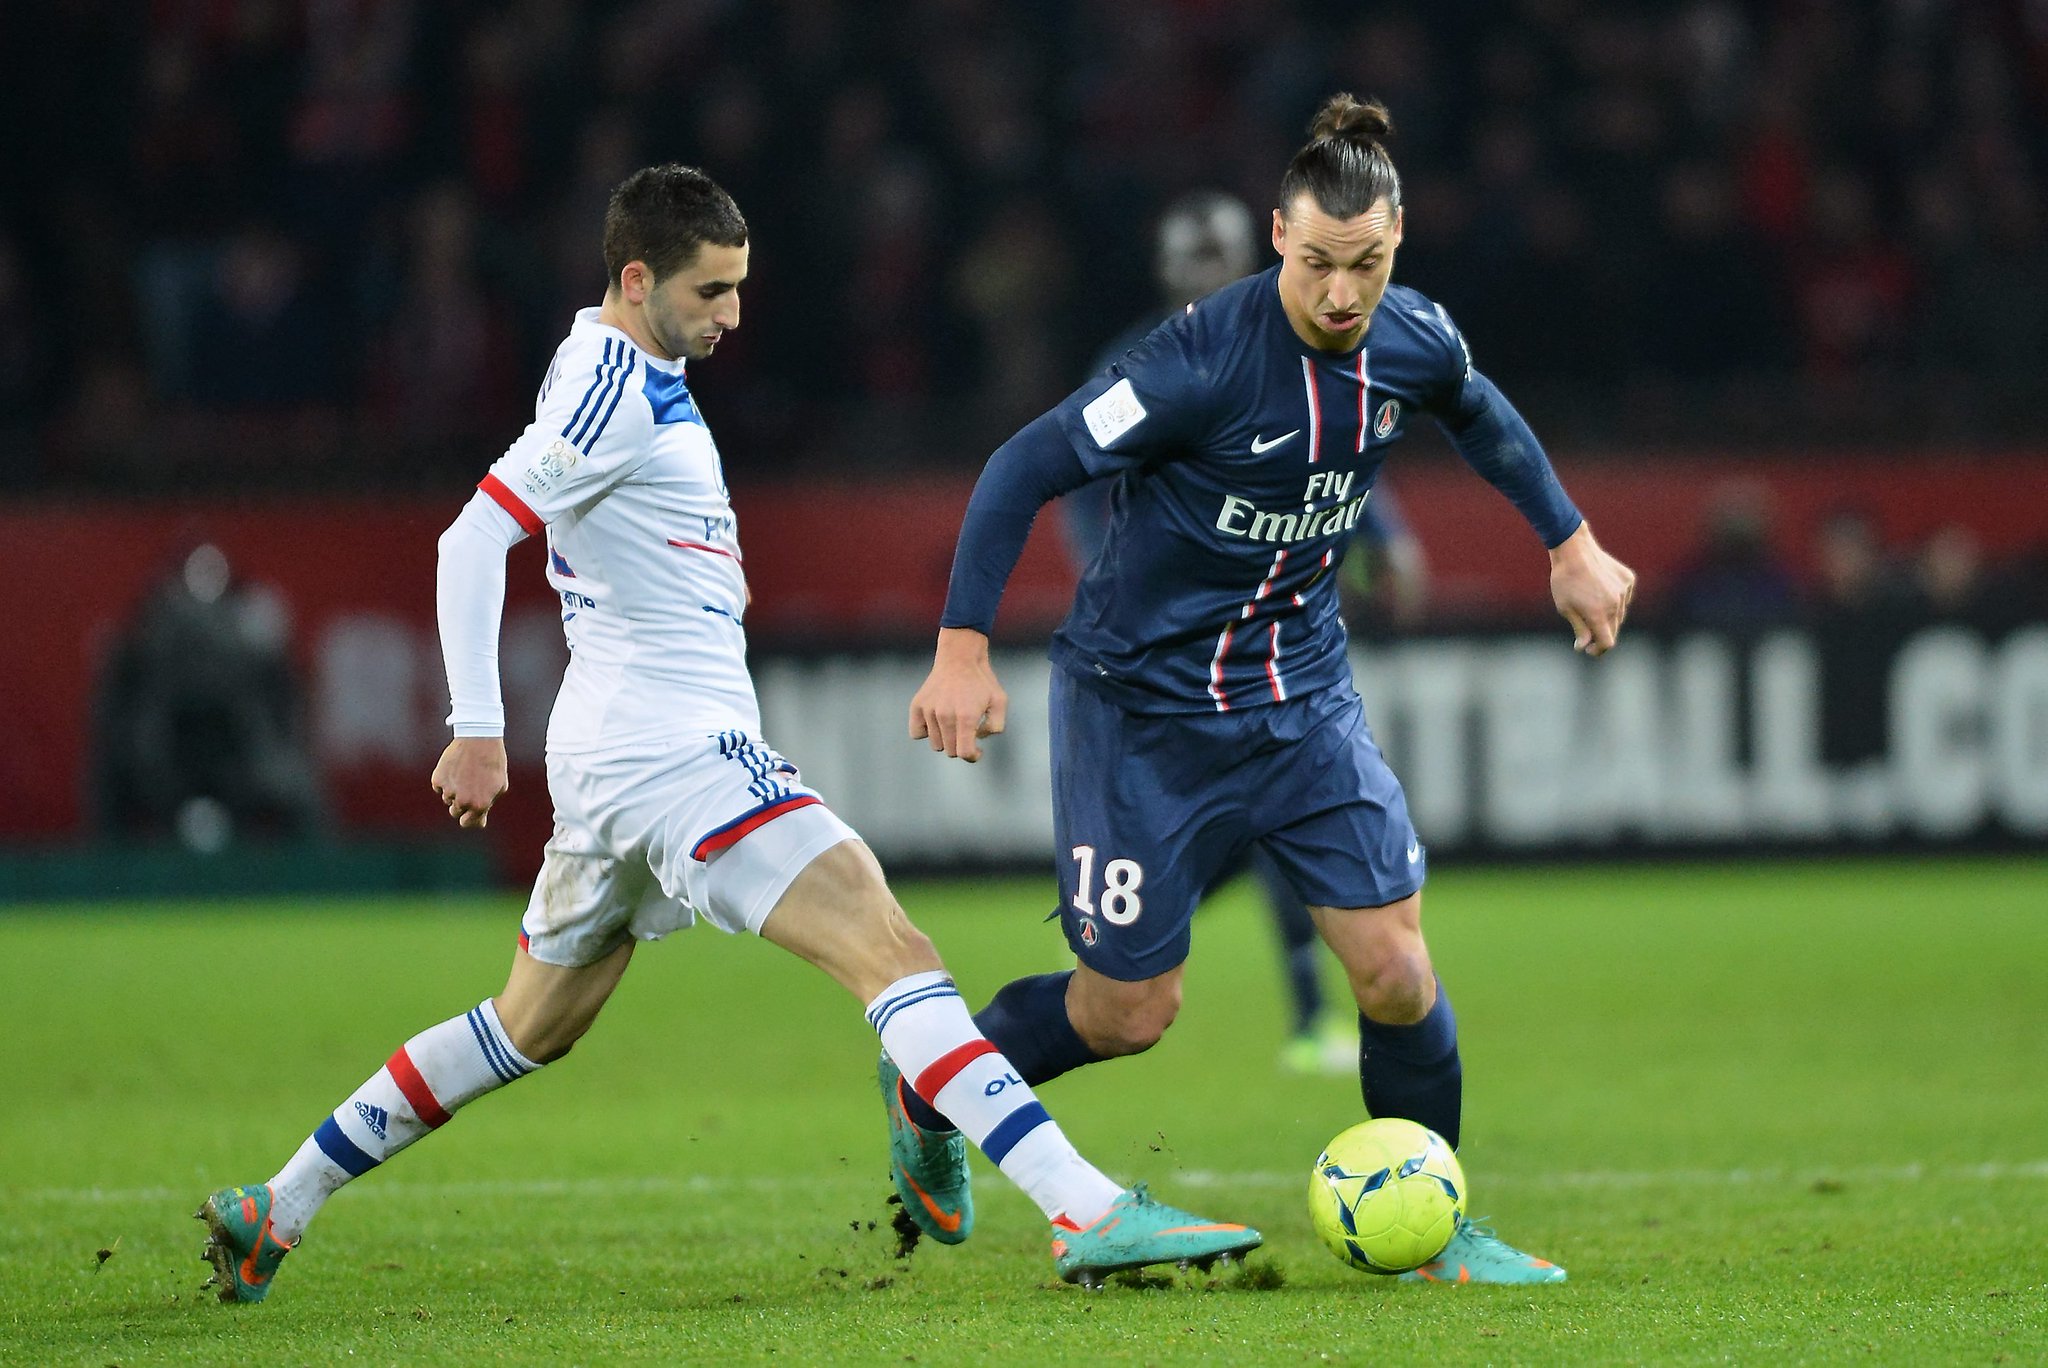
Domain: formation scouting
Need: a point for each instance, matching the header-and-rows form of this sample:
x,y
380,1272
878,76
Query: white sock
x,y
417,1090
949,1063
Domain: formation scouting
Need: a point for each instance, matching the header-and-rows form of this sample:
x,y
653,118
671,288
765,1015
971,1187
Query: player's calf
x,y
420,1087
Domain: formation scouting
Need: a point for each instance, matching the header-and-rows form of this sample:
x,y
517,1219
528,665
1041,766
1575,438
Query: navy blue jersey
x,y
1244,460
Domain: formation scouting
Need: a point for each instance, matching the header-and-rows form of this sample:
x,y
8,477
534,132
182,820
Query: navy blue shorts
x,y
1148,809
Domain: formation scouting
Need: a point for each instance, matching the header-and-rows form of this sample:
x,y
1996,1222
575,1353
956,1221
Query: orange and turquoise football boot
x,y
929,1167
240,1244
1477,1255
1138,1230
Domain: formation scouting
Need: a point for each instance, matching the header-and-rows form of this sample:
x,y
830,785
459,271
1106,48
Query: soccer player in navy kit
x,y
1205,240
1203,698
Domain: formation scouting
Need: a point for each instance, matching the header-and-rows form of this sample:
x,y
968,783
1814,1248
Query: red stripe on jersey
x,y
700,546
513,504
947,1067
1216,671
1315,414
1273,666
425,1105
1364,395
719,840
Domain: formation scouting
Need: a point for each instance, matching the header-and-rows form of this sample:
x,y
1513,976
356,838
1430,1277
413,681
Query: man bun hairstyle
x,y
663,215
1344,165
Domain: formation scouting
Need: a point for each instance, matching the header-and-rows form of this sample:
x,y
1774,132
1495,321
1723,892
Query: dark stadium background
x,y
1771,280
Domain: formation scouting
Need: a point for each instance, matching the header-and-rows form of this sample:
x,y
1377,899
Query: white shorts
x,y
647,841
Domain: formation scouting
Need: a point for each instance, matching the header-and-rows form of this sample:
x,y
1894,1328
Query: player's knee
x,y
1130,1026
1397,985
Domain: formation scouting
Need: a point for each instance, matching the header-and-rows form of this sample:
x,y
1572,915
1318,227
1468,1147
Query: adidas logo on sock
x,y
376,1118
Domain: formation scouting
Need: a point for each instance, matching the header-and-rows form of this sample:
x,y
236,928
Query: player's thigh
x,y
728,826
839,914
1143,819
546,1008
1383,952
591,895
1332,816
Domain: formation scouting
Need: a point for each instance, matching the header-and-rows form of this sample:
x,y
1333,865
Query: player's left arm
x,y
1592,590
469,600
1143,407
961,701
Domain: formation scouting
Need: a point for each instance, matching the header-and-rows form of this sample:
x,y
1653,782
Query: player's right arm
x,y
1145,407
589,431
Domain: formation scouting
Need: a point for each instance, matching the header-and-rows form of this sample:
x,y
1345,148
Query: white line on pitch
x,y
1193,1178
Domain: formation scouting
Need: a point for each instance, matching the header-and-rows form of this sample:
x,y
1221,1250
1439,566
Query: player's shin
x,y
1027,1020
925,1027
423,1083
1413,1071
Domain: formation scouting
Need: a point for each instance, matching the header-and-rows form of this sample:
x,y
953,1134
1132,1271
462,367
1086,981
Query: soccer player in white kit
x,y
669,805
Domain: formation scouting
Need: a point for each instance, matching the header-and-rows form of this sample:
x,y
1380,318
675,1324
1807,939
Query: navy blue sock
x,y
1414,1071
1028,1022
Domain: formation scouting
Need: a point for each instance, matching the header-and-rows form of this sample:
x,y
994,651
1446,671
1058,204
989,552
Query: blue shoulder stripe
x,y
618,393
596,381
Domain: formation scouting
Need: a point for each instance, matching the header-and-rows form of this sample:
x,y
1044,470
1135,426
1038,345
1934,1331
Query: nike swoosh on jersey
x,y
1259,446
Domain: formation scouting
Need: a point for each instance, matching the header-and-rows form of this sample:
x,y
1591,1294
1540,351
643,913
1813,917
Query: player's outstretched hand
x,y
961,701
471,777
1592,589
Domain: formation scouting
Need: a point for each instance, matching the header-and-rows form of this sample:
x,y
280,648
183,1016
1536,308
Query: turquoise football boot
x,y
240,1244
929,1167
1138,1230
1477,1255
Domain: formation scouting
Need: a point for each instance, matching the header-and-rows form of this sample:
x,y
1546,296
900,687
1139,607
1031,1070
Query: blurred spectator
x,y
1950,576
446,370
1736,583
197,731
263,335
1853,282
1711,192
1864,606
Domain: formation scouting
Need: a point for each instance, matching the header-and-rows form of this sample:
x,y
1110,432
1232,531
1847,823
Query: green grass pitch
x,y
1790,1113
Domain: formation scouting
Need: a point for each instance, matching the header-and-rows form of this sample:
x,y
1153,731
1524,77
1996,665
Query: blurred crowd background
x,y
278,279
332,242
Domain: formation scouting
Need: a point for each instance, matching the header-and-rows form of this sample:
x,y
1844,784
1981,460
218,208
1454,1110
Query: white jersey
x,y
620,468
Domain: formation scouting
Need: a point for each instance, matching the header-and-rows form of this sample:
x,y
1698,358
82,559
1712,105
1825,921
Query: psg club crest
x,y
1088,932
1389,414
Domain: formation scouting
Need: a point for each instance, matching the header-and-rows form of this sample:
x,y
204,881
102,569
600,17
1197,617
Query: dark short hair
x,y
1344,165
663,215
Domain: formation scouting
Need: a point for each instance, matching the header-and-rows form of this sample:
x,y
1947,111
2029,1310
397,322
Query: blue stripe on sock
x,y
881,1009
489,1046
501,1047
931,994
896,1004
1011,1129
342,1150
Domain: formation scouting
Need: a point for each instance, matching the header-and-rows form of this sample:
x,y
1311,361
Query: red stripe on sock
x,y
948,1065
424,1104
